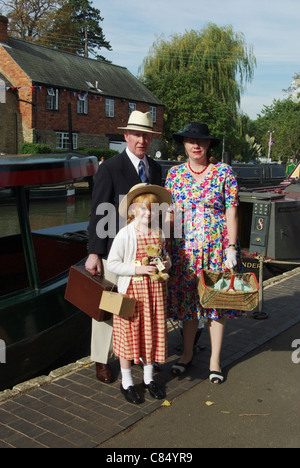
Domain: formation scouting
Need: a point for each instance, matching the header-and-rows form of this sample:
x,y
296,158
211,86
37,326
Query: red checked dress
x,y
145,334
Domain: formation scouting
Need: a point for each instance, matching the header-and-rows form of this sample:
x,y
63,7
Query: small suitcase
x,y
85,290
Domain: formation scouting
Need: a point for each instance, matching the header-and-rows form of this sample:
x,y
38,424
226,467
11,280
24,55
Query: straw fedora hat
x,y
197,131
162,194
140,121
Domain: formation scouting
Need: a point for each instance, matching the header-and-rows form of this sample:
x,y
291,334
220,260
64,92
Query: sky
x,y
272,28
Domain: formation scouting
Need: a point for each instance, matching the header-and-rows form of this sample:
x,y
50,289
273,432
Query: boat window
x,y
13,272
8,213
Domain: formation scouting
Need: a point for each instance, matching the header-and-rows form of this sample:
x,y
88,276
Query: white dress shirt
x,y
135,161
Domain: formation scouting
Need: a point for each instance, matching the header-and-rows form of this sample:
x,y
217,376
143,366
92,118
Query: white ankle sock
x,y
126,378
148,373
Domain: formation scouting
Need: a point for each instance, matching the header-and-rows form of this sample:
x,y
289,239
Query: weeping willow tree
x,y
200,75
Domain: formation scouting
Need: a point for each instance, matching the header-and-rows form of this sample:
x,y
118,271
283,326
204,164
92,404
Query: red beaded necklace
x,y
195,172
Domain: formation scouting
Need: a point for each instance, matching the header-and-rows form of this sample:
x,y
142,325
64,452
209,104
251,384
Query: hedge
x,y
34,148
99,152
39,148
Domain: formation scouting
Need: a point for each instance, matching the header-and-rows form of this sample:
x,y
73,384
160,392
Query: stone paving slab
x,y
69,408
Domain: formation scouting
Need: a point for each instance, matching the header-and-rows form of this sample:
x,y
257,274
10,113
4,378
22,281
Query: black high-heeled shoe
x,y
216,378
179,368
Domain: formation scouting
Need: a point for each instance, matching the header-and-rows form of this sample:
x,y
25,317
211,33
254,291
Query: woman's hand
x,y
231,258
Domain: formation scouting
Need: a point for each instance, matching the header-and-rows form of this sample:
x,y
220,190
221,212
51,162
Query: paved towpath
x,y
70,408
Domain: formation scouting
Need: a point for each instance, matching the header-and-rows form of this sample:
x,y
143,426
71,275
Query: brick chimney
x,y
3,29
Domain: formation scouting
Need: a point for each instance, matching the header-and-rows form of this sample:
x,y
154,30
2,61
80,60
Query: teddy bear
x,y
155,254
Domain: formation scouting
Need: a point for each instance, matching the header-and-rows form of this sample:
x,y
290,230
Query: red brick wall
x,y
3,28
94,123
17,77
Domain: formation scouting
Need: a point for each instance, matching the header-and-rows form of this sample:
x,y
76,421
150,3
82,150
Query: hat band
x,y
139,125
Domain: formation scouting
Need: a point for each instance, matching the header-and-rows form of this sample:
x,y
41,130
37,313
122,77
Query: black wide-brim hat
x,y
198,131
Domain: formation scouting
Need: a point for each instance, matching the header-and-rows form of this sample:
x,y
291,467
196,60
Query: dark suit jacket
x,y
114,178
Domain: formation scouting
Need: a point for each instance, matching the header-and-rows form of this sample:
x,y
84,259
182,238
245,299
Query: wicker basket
x,y
211,298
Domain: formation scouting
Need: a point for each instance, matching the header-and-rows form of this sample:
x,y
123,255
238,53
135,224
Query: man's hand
x,y
94,265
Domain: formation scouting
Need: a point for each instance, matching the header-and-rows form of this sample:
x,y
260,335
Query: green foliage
x,y
38,148
29,19
200,76
99,153
69,25
79,22
282,118
34,148
251,150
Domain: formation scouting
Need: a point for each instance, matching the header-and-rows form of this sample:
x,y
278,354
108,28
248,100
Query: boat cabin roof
x,y
31,170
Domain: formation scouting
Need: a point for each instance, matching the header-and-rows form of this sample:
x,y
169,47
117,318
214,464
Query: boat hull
x,y
269,221
48,195
39,329
37,325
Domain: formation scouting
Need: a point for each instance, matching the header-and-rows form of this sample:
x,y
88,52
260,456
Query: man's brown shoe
x,y
103,372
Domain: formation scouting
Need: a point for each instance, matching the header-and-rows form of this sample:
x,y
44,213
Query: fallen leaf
x,y
166,403
209,403
255,414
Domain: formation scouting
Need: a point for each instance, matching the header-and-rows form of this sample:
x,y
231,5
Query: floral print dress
x,y
200,236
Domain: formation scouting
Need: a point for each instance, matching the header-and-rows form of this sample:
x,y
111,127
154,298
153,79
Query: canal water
x,y
45,214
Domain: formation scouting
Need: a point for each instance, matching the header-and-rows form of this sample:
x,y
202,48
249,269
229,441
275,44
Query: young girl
x,y
144,335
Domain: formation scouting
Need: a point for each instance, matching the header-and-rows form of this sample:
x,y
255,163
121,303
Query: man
x,y
114,179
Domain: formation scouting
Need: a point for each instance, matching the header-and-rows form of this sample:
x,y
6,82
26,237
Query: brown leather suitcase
x,y
85,290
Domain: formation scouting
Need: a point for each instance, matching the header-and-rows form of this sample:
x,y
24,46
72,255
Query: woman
x,y
204,218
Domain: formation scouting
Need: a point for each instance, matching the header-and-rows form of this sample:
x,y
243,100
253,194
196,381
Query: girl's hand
x,y
145,270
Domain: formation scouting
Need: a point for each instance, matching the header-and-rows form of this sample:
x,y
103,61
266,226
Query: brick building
x,y
42,90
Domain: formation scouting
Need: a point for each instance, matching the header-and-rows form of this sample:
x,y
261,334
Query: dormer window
x,y
94,87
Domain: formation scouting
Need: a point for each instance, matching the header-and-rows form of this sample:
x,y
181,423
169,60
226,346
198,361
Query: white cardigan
x,y
121,256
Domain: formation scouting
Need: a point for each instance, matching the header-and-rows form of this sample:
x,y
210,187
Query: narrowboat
x,y
269,225
37,325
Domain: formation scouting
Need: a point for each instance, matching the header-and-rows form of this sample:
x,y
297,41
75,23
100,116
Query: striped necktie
x,y
142,172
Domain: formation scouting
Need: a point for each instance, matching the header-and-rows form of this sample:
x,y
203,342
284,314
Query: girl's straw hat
x,y
162,194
